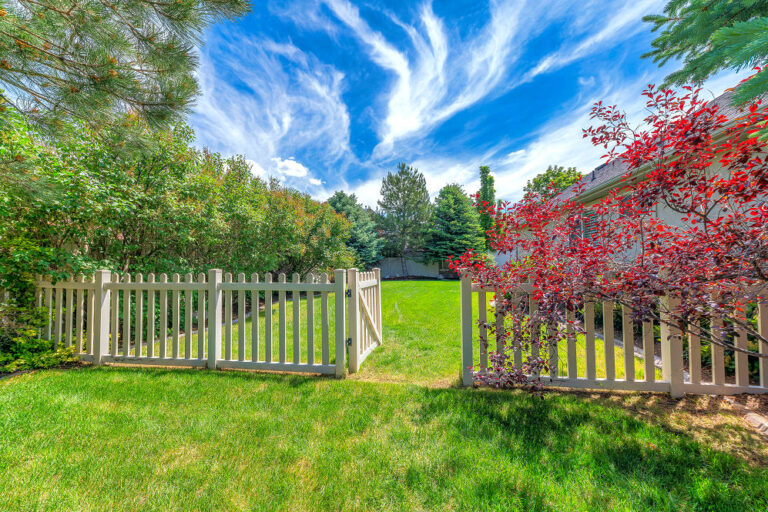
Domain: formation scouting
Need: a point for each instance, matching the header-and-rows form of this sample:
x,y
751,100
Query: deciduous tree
x,y
552,181
687,159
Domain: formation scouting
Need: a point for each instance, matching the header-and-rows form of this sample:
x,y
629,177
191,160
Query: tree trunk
x,y
405,268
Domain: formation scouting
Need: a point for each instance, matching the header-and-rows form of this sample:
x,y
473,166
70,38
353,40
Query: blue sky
x,y
331,94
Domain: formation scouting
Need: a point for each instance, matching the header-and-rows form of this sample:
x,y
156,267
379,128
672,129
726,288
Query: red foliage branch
x,y
706,171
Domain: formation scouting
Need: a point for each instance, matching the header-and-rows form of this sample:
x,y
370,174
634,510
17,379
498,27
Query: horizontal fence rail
x,y
259,322
649,356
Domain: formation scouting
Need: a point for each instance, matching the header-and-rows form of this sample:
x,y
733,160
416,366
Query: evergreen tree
x,y
405,210
552,181
364,239
456,226
95,61
712,35
486,196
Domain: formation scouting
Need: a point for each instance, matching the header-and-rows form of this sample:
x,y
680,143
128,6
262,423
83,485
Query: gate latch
x,y
349,342
348,293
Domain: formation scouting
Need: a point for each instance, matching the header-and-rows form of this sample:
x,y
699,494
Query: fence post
x,y
379,319
214,317
671,347
340,279
101,316
354,321
762,327
466,330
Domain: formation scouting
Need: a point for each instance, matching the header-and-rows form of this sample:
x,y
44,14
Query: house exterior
x,y
604,178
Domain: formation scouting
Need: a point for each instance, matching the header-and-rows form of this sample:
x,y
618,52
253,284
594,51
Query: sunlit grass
x,y
399,435
174,439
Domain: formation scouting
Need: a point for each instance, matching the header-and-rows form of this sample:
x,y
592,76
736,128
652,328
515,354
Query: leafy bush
x,y
20,346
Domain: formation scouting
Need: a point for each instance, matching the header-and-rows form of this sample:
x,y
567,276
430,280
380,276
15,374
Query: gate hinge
x,y
349,342
348,293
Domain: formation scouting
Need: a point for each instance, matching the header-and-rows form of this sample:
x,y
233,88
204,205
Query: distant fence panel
x,y
211,321
365,326
684,369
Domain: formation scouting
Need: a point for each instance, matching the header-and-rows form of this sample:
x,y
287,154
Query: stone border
x,y
758,421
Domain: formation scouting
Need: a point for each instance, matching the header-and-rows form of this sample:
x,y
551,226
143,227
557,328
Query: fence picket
x,y
573,369
311,321
189,308
324,321
608,334
201,316
90,314
48,313
126,317
740,341
482,320
79,314
589,338
255,320
762,328
163,318
718,354
151,318
227,319
296,301
175,317
268,320
628,337
69,312
533,308
649,368
241,320
139,334
694,354
115,298
281,329
59,314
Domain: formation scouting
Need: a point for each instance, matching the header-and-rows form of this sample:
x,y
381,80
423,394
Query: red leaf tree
x,y
706,172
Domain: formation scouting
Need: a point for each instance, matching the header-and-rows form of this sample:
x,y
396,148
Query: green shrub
x,y
21,348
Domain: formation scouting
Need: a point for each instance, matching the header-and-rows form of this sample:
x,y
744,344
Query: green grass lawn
x,y
396,436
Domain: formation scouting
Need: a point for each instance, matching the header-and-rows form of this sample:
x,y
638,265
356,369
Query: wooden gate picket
x,y
364,315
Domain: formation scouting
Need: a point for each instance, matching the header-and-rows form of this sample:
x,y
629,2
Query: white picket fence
x,y
364,315
202,321
679,375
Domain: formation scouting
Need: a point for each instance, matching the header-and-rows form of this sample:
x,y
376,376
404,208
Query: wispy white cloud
x,y
443,76
619,24
281,102
557,142
267,100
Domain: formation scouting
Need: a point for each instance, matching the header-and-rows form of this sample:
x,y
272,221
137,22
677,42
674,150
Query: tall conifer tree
x,y
710,36
95,61
405,210
456,226
486,197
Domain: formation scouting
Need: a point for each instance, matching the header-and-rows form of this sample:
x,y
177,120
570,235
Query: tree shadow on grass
x,y
642,457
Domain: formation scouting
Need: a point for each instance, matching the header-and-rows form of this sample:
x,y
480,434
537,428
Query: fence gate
x,y
202,320
364,315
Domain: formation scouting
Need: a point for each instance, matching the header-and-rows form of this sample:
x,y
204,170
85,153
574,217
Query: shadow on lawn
x,y
644,450
627,441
